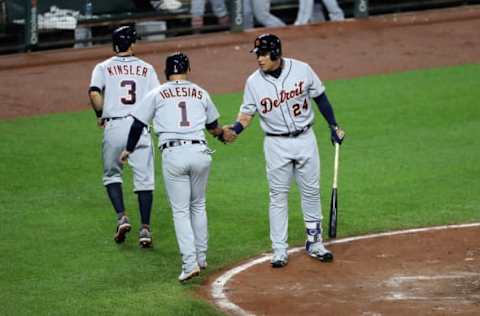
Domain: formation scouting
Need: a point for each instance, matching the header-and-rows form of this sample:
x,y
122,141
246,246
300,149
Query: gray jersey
x,y
194,108
283,103
128,80
284,106
179,110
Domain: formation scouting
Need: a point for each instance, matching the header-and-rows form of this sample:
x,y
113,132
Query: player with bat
x,y
283,93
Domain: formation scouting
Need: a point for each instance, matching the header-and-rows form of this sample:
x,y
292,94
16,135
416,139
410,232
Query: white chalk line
x,y
218,286
403,297
398,295
396,281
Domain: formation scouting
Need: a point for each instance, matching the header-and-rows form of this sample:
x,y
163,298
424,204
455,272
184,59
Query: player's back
x,y
182,109
124,81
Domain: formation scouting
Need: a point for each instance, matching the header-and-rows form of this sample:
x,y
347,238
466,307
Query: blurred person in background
x,y
260,9
168,5
309,11
219,9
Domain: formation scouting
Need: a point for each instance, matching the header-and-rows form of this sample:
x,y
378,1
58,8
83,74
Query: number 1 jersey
x,y
179,110
124,82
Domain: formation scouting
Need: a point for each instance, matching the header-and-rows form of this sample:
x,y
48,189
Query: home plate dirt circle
x,y
426,271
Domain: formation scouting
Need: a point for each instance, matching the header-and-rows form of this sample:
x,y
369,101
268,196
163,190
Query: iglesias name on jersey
x,y
124,81
179,110
283,103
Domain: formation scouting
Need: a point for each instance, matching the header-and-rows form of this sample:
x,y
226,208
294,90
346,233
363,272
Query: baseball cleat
x,y
318,251
279,260
145,238
123,227
185,276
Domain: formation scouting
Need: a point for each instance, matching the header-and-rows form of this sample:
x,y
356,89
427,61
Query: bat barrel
x,y
332,227
335,165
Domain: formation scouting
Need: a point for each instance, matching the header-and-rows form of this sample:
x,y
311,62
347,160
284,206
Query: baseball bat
x,y
332,228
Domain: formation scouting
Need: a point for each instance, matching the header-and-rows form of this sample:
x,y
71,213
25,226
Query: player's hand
x,y
100,122
337,135
124,157
229,134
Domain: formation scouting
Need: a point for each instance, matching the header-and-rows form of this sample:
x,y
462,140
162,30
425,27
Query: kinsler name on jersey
x,y
130,70
181,92
268,104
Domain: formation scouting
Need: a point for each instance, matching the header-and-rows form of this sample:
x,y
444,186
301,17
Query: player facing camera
x,y
268,44
268,49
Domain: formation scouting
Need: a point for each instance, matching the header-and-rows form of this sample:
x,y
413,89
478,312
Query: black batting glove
x,y
221,138
337,134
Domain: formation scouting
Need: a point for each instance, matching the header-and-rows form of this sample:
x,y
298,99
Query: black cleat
x,y
123,227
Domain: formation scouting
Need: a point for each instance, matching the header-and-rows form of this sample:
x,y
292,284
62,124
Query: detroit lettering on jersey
x,y
128,70
268,104
181,92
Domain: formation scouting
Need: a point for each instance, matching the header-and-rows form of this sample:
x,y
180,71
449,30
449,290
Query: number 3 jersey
x,y
283,103
124,81
179,110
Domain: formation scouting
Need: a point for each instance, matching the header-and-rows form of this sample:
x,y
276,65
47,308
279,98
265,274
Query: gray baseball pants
x,y
185,172
141,161
288,158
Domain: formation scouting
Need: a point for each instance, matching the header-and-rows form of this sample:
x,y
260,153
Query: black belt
x,y
107,119
180,142
292,134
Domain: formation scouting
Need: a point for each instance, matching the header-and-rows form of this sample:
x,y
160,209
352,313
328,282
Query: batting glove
x,y
337,134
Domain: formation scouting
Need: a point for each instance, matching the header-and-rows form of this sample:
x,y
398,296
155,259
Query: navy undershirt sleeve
x,y
326,109
134,134
212,125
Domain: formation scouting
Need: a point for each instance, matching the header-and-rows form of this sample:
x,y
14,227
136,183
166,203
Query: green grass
x,y
410,159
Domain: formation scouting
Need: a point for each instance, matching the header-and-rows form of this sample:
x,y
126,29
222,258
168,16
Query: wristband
x,y
237,127
98,113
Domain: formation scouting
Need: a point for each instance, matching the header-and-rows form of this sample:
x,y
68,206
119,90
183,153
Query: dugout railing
x,y
29,25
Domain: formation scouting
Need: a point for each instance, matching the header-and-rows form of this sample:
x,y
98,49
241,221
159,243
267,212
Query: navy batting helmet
x,y
123,37
176,63
268,43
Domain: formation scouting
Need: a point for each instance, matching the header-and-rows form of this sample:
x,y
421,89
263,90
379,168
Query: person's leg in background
x,y
304,15
197,10
317,15
248,15
220,11
261,11
335,13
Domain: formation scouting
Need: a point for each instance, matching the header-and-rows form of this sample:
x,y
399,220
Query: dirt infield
x,y
57,81
425,273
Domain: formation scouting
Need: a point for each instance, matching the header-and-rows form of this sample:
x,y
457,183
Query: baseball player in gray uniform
x,y
180,111
117,85
280,91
